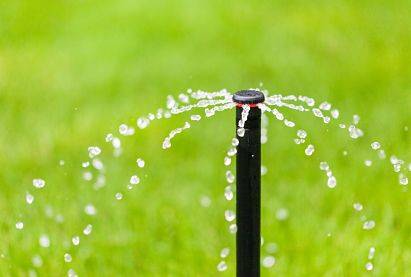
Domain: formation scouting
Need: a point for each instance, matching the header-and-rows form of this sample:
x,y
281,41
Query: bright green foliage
x,y
73,71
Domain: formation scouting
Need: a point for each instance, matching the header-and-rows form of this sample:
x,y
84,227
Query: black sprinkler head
x,y
248,97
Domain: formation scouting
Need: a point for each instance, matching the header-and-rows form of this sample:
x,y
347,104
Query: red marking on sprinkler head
x,y
251,105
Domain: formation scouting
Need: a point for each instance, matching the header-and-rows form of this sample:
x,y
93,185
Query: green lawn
x,y
73,71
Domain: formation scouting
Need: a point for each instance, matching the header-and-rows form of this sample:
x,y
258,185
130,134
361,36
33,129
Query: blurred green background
x,y
72,71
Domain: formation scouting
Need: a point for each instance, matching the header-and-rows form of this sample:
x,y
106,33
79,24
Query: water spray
x,y
250,105
248,204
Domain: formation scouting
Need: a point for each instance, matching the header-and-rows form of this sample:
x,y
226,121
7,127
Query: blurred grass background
x,y
72,71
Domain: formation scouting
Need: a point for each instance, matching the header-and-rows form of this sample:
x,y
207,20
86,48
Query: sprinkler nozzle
x,y
248,97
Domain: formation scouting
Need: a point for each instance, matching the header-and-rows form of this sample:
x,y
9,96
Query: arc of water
x,y
209,112
212,99
127,131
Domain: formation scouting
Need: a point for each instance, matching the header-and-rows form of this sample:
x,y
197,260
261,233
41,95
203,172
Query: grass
x,y
72,71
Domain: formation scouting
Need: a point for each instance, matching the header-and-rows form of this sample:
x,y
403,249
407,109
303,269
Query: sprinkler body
x,y
248,205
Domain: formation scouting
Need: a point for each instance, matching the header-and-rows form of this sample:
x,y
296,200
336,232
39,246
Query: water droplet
x,y
368,225
332,182
141,163
264,138
123,129
19,225
205,201
90,209
394,160
119,196
281,214
75,240
143,122
324,166
71,273
371,253
171,103
368,163
235,142
356,119
101,181
271,248
225,252
375,145
109,137
44,241
289,123
355,132
317,112
325,106
227,161
67,258
309,150
233,228
29,198
116,142
209,112
230,177
403,179
98,164
310,101
358,206
88,229
39,183
85,164
228,193
62,162
299,141
48,211
381,154
37,261
268,261
335,114
59,218
134,180
232,152
160,113
241,132
264,170
93,151
183,98
369,266
229,215
166,143
195,117
87,176
302,134
222,266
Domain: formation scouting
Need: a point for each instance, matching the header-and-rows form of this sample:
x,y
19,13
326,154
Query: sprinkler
x,y
248,205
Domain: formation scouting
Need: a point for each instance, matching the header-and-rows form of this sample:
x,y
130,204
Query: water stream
x,y
201,105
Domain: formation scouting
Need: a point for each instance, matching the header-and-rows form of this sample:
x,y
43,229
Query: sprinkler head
x,y
248,97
